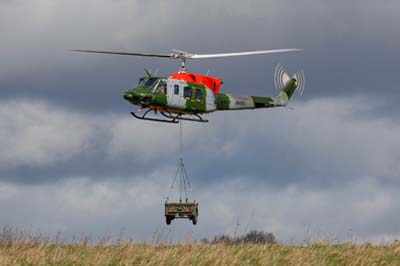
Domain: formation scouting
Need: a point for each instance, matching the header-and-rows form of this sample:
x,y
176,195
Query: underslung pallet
x,y
189,210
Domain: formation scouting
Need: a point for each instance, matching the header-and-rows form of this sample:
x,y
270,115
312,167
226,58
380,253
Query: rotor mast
x,y
182,69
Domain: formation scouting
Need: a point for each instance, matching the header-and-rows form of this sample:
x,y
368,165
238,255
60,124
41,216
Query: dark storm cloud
x,y
349,48
43,142
67,134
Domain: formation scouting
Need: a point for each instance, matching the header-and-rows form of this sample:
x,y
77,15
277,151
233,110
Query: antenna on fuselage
x,y
148,72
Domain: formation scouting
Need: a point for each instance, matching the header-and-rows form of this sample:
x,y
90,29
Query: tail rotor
x,y
281,78
300,82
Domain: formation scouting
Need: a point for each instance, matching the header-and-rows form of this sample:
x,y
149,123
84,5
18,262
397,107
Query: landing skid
x,y
180,117
170,118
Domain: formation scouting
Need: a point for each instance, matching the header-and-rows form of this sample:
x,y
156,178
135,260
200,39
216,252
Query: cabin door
x,y
175,94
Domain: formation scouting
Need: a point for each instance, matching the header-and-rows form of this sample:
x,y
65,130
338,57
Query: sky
x,y
73,160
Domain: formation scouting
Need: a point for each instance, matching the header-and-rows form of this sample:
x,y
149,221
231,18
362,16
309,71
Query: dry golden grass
x,y
197,254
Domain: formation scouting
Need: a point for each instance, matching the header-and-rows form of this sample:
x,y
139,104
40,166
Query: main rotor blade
x,y
200,56
185,55
130,54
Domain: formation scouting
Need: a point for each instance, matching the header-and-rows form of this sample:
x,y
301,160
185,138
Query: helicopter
x,y
188,96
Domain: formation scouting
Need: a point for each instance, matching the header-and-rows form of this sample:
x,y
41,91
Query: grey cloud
x,y
350,48
64,120
356,211
323,142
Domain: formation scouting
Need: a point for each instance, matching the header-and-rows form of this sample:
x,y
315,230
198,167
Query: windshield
x,y
148,83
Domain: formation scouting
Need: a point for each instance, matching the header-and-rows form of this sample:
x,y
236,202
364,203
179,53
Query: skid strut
x,y
143,117
181,117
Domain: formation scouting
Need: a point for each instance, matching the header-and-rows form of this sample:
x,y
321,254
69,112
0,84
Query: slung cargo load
x,y
181,209
188,210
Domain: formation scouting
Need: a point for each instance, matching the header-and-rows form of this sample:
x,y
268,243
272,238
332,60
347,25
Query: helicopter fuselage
x,y
187,93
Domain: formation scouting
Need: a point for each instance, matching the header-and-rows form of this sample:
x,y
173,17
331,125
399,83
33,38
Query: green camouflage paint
x,y
262,102
290,88
160,99
223,102
192,104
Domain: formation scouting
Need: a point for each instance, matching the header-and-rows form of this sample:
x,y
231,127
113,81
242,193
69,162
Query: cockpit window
x,y
150,83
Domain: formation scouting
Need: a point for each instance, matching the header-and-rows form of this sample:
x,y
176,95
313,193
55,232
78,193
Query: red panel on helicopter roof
x,y
212,83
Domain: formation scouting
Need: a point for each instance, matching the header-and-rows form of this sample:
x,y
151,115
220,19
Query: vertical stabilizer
x,y
288,85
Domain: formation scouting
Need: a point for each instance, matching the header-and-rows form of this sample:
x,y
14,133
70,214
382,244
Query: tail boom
x,y
228,101
283,82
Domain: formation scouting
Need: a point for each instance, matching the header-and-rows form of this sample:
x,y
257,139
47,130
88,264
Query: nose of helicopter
x,y
135,95
128,96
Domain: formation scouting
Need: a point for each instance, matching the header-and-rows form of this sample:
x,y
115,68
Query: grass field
x,y
198,254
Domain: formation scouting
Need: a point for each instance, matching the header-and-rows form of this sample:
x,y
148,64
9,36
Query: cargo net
x,y
184,182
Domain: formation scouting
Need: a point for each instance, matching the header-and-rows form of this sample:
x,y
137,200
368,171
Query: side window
x,y
176,89
187,92
163,88
199,95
